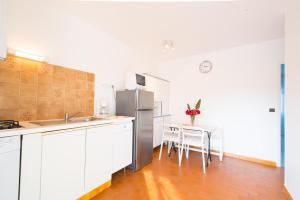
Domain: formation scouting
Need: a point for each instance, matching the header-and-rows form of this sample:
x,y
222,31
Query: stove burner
x,y
9,124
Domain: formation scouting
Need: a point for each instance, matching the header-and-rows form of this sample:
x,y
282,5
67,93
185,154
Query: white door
x,y
98,156
31,167
122,146
157,131
63,160
165,93
2,28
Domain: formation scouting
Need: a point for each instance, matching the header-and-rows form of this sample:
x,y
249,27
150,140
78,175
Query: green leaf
x,y
198,104
188,106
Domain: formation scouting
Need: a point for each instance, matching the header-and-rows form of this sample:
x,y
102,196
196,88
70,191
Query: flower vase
x,y
193,120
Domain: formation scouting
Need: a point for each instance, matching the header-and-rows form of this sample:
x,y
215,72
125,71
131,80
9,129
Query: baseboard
x,y
287,193
245,158
251,159
96,191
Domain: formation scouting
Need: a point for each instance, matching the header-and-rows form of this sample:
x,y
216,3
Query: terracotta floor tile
x,y
231,179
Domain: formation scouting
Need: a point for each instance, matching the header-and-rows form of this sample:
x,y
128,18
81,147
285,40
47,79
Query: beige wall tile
x,y
28,102
43,102
28,114
81,84
45,69
57,103
6,114
27,65
81,75
9,102
44,91
90,85
9,76
31,90
28,90
9,89
57,113
42,113
28,77
44,79
59,72
9,64
90,77
58,92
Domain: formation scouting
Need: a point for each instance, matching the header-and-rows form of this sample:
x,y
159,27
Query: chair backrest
x,y
193,132
172,129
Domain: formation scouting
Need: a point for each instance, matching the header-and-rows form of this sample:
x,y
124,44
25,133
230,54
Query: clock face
x,y
205,66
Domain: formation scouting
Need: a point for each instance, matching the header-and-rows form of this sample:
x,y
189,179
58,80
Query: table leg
x,y
209,154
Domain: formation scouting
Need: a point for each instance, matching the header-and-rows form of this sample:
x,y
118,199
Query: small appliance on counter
x,y
102,108
139,104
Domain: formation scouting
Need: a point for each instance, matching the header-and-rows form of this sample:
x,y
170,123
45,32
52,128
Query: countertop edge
x,y
39,129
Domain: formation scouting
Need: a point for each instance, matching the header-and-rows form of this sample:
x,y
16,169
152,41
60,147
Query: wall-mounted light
x,y
29,56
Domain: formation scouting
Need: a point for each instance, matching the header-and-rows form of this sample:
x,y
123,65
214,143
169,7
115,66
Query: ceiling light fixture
x,y
168,45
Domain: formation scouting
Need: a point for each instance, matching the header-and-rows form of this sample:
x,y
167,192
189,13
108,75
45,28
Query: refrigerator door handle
x,y
145,109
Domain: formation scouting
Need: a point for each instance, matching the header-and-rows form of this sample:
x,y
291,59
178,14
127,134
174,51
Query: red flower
x,y
192,112
188,112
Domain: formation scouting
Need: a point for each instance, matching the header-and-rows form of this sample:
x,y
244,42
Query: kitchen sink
x,y
70,121
84,119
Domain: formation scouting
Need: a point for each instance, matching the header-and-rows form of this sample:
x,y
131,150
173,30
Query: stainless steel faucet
x,y
67,117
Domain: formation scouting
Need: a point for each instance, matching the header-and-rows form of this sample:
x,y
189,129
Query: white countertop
x,y
30,128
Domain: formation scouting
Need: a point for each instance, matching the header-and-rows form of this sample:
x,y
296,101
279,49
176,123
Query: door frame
x,y
282,115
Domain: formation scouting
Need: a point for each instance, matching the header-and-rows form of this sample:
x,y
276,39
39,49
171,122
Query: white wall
x,y
2,28
292,164
236,95
59,31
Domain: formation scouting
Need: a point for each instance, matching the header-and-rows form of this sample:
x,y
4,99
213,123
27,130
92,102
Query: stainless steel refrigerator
x,y
138,104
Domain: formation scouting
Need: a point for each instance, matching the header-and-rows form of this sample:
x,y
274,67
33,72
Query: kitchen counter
x,y
30,128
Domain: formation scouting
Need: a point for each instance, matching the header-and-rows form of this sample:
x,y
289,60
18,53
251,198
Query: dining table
x,y
206,129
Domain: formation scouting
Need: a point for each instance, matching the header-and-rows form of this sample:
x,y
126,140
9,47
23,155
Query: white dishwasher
x,y
9,167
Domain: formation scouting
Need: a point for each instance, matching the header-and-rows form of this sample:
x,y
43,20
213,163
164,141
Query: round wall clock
x,y
205,66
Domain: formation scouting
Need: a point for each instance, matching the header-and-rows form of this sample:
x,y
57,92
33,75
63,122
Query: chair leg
x,y
169,147
203,160
161,147
207,149
220,151
187,152
221,155
181,153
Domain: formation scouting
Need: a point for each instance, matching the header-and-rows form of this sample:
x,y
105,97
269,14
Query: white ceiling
x,y
195,27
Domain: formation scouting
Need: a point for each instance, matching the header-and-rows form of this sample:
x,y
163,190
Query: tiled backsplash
x,y
31,90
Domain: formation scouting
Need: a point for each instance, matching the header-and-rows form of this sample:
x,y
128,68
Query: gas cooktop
x,y
9,124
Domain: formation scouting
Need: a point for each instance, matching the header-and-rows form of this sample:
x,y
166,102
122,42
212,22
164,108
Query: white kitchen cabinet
x,y
31,163
167,119
3,8
63,163
161,92
164,89
152,85
98,156
157,131
122,146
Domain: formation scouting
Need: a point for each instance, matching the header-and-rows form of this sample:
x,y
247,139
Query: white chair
x,y
171,134
197,139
